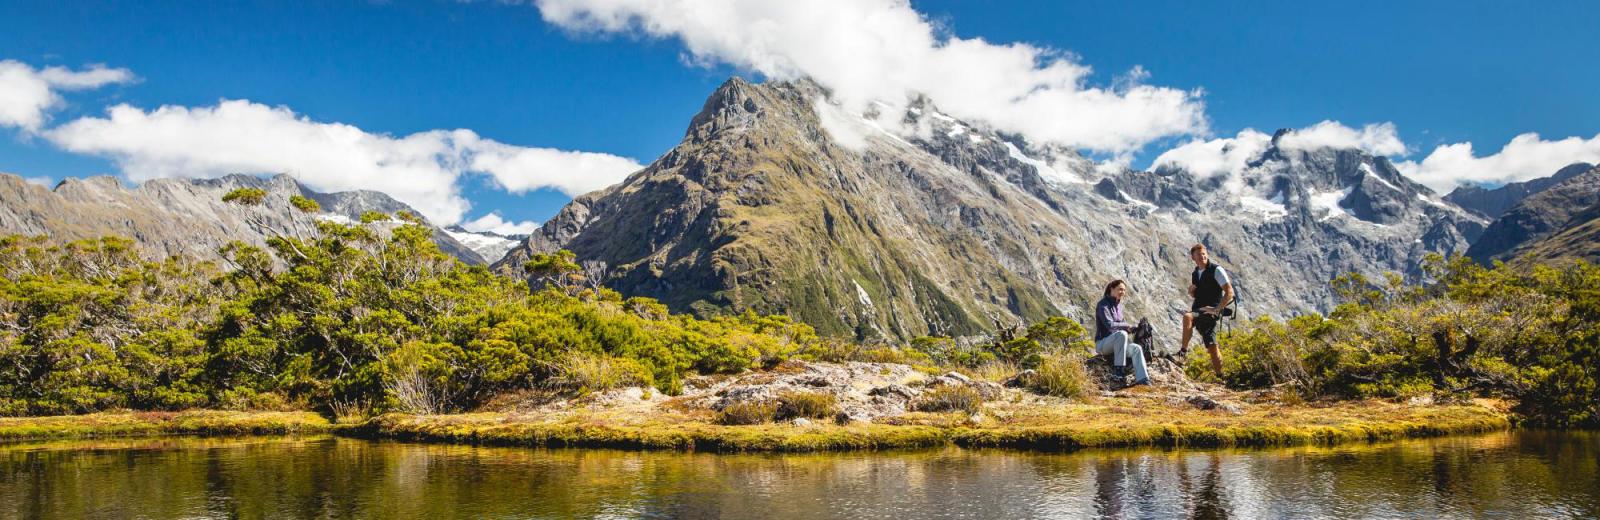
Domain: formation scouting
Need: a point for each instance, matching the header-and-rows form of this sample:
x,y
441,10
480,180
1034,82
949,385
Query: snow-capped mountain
x,y
905,221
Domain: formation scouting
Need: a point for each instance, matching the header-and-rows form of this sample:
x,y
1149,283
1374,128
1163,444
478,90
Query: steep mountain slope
x,y
909,222
1494,202
1537,216
1579,238
171,216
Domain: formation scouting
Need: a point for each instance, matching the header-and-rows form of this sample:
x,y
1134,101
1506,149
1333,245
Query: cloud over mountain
x,y
27,94
238,136
1526,157
884,50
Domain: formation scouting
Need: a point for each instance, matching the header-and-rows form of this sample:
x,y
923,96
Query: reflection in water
x,y
1517,475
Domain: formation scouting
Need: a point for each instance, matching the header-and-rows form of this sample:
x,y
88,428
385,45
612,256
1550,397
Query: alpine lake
x,y
1515,474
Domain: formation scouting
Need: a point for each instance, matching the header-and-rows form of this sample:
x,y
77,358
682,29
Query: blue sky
x,y
1441,72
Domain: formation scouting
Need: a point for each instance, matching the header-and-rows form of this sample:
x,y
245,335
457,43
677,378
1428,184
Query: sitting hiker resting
x,y
1113,335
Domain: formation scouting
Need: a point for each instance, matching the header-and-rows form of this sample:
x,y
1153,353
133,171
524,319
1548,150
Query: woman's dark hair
x,y
1112,285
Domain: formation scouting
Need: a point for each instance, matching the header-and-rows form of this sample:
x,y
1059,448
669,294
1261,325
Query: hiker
x,y
1113,335
1213,293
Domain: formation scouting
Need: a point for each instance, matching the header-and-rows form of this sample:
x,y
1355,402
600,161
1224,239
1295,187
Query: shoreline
x,y
160,424
495,430
491,429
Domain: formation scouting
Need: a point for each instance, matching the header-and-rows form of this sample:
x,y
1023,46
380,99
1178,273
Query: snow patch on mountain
x,y
488,245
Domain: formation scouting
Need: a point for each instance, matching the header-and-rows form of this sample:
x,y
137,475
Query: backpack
x,y
1143,334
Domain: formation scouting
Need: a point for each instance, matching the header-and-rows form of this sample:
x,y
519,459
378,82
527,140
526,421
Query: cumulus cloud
x,y
1231,154
27,94
1220,156
493,223
238,136
1375,139
1526,157
867,50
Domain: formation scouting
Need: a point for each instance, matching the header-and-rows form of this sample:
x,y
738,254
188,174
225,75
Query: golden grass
x,y
195,422
1063,427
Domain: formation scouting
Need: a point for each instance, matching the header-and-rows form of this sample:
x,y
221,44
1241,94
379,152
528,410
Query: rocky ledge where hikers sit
x,y
818,406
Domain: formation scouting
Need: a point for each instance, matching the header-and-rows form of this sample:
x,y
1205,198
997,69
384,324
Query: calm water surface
x,y
1508,475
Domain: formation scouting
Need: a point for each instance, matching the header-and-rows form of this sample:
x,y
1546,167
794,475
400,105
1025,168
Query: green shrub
x,y
1520,331
810,405
949,398
750,412
304,204
245,196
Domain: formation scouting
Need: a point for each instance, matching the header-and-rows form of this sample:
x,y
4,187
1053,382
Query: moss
x,y
198,422
1069,428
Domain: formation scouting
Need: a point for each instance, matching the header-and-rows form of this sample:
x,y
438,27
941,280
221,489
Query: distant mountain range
x,y
1561,206
173,216
906,222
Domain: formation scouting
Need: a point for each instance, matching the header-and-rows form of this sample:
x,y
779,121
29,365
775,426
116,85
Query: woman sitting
x,y
1112,335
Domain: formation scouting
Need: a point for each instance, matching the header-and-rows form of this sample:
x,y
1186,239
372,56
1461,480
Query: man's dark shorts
x,y
1206,325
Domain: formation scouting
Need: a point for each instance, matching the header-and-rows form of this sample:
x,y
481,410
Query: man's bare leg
x,y
1188,330
1216,359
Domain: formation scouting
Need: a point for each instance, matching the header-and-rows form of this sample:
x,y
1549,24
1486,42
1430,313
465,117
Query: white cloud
x,y
519,169
1229,155
238,136
28,94
42,181
1526,157
1375,139
866,50
1206,158
493,223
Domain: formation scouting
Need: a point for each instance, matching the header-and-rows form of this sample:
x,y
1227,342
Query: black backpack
x,y
1143,334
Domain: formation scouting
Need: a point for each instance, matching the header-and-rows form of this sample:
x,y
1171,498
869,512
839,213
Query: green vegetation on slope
x,y
1529,333
361,319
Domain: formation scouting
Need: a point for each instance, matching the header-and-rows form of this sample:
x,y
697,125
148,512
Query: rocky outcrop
x,y
173,216
896,225
1537,217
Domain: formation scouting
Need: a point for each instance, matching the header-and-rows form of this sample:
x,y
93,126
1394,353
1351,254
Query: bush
x,y
1519,331
1061,375
360,313
810,405
245,196
749,412
949,398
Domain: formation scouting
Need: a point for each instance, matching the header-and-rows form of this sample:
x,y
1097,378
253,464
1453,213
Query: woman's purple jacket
x,y
1108,318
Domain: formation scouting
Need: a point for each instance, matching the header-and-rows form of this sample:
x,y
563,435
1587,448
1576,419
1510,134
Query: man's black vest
x,y
1207,292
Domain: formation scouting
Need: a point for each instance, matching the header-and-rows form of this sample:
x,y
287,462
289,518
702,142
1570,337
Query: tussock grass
x,y
1061,375
582,373
810,405
949,398
752,412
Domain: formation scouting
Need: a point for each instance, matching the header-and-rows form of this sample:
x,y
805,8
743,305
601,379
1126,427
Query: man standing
x,y
1212,293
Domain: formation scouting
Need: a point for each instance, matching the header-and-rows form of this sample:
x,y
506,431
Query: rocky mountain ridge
x,y
1538,216
1493,202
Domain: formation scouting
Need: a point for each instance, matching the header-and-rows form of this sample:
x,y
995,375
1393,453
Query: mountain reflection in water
x,y
1514,475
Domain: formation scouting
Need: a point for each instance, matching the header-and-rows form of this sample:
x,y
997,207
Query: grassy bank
x,y
196,422
1055,429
